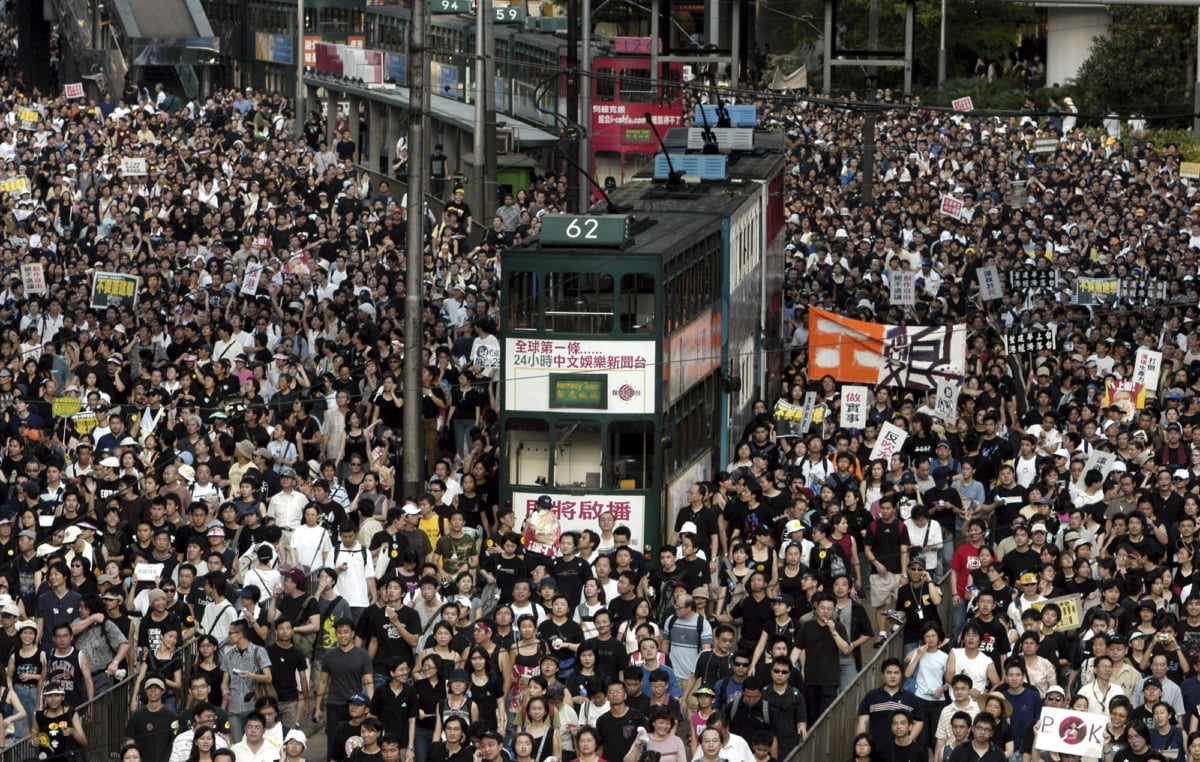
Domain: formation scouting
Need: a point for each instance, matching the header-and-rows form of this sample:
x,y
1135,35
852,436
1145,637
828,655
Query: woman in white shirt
x,y
310,547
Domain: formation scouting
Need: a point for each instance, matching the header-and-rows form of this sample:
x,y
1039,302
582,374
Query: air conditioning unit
x,y
506,141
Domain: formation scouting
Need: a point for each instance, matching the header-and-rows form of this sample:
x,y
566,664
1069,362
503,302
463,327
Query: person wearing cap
x,y
917,602
58,727
295,743
152,725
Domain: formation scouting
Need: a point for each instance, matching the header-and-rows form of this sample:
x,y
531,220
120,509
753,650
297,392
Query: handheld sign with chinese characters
x,y
585,230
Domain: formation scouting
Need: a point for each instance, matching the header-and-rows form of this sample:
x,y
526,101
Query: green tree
x,y
1147,65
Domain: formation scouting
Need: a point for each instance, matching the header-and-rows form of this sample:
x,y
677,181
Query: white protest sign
x,y
73,90
903,290
33,277
947,399
989,283
133,166
854,407
1147,367
1069,732
1098,460
810,402
147,572
963,104
251,278
891,439
952,207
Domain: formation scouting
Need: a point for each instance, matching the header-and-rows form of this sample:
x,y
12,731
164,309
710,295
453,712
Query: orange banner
x,y
849,350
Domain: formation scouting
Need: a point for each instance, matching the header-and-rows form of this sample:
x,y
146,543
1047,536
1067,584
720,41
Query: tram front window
x,y
522,315
527,442
577,454
579,302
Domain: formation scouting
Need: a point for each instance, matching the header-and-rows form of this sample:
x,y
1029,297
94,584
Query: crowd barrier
x,y
831,738
104,719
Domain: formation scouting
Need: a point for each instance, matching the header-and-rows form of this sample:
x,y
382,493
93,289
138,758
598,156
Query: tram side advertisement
x,y
579,512
568,375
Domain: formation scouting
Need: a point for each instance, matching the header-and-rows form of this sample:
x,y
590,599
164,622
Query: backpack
x,y
361,550
328,631
763,705
306,641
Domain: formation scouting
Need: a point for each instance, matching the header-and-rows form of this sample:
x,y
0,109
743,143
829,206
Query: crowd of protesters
x,y
199,476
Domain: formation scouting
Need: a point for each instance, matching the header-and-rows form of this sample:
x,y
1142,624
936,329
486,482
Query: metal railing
x,y
831,737
104,719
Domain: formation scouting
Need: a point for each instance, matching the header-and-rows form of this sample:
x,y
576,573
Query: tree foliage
x,y
1147,64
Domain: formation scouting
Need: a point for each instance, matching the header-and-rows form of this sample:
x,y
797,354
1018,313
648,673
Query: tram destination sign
x,y
579,391
585,230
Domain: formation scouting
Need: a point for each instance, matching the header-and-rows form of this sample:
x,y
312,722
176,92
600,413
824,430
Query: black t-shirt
x,y
618,733
154,731
284,664
611,657
918,608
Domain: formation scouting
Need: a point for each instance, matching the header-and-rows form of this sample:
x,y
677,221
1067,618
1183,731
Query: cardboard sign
x,y
1098,460
854,407
1147,367
73,90
1190,170
1069,732
147,572
1071,607
114,290
250,280
1045,145
84,423
1090,292
65,406
133,166
33,277
1129,396
963,104
952,207
891,439
903,288
810,402
946,406
989,283
1142,291
15,185
1029,279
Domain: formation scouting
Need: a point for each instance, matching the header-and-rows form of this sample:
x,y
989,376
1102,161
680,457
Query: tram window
x,y
637,303
631,454
579,302
578,454
523,311
527,441
605,86
636,86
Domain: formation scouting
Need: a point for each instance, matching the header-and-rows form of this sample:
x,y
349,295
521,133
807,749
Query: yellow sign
x,y
64,406
84,422
27,118
14,185
579,391
1071,607
1190,169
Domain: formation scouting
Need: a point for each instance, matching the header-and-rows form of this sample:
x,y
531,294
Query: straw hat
x,y
1006,708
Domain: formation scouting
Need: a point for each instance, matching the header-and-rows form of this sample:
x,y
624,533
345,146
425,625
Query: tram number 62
x,y
587,230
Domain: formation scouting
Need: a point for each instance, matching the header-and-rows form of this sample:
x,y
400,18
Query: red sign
x,y
952,207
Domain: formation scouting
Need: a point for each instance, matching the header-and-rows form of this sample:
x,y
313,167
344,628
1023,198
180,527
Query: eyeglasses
x,y
781,672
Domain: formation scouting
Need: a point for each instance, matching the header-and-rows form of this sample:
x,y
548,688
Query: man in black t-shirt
x,y
618,727
289,675
382,629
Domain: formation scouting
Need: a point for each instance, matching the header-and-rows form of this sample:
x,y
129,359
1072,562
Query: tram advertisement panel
x,y
579,512
573,375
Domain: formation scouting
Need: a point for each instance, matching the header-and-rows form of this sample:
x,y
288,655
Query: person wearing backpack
x,y
295,605
356,571
749,714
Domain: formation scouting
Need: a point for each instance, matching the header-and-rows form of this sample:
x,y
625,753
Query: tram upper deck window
x,y
631,454
523,309
606,85
636,86
579,302
578,454
637,303
527,445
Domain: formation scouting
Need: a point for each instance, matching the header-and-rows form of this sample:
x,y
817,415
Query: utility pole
x,y
573,116
585,108
418,173
485,106
301,117
942,48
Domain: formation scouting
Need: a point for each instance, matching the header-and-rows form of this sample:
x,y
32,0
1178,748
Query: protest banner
x,y
114,290
251,279
891,439
33,277
133,166
952,207
989,283
1071,608
28,119
73,90
1147,367
806,417
15,185
1031,279
854,407
1092,292
1129,396
1141,291
1029,341
1190,170
858,352
963,104
903,288
1067,731
946,406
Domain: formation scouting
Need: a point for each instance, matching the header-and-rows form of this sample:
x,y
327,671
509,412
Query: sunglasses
x,y
741,664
